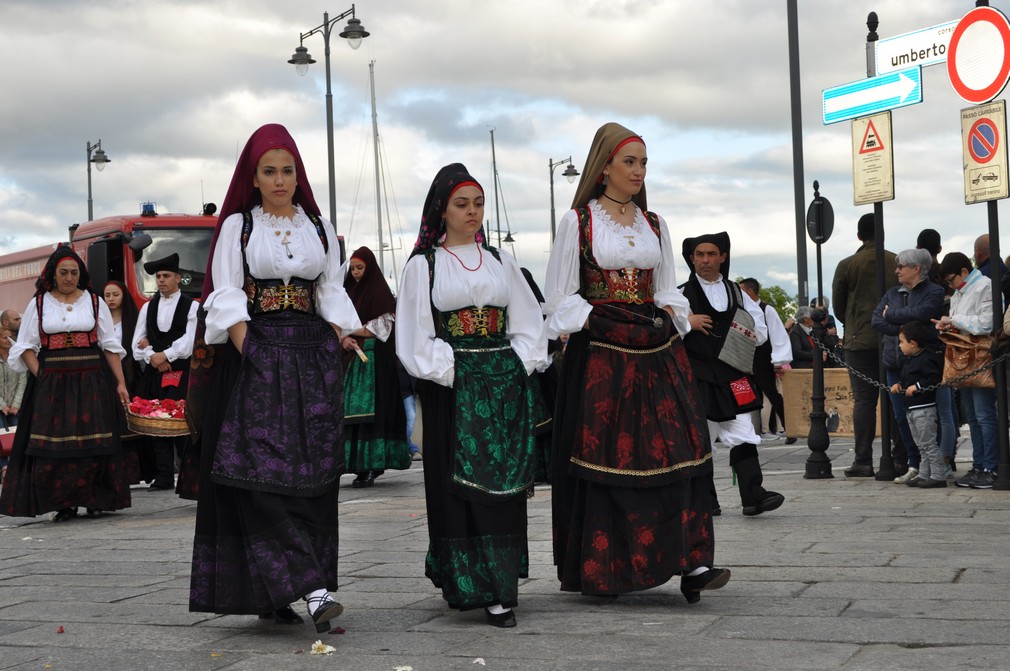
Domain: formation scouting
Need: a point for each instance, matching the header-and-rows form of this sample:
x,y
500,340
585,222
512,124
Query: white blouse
x,y
499,284
272,240
60,318
614,246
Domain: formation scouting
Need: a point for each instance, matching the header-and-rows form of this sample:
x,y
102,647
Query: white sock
x,y
317,598
698,571
497,609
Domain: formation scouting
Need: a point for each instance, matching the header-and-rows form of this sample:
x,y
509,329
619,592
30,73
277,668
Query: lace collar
x,y
273,221
601,216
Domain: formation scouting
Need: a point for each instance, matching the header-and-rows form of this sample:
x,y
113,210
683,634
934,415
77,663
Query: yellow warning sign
x,y
872,159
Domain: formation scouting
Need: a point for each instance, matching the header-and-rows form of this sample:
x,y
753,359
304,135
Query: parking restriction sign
x,y
983,129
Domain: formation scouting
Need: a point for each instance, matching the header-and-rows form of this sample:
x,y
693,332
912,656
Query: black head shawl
x,y
371,295
432,230
47,280
720,240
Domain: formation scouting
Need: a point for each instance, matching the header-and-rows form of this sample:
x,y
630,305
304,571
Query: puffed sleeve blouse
x,y
614,246
268,258
471,277
57,318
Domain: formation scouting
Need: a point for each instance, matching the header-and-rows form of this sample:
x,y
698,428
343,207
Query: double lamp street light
x,y
354,32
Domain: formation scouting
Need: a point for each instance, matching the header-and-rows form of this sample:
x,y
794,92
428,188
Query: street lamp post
x,y
571,173
99,159
354,32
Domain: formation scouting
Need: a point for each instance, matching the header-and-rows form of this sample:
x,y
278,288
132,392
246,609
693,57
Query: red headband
x,y
633,138
465,183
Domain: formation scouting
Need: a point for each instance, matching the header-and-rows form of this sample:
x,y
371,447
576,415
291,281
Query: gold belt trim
x,y
53,439
641,474
628,350
471,485
85,357
482,349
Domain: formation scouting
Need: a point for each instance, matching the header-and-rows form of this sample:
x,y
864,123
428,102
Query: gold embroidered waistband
x,y
274,296
482,321
68,340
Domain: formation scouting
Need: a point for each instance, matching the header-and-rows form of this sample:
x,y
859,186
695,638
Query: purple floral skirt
x,y
271,456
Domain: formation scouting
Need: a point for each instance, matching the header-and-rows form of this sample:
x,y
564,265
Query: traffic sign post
x,y
983,143
978,58
872,95
872,159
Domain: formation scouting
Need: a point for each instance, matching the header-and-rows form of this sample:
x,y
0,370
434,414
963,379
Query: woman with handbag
x,y
913,299
971,315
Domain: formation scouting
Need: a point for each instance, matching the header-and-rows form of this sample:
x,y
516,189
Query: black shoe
x,y
65,515
504,620
364,480
94,512
285,615
885,476
769,502
859,471
322,615
691,586
161,485
716,511
930,484
790,441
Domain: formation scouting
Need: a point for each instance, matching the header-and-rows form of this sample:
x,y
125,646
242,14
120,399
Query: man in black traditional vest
x,y
726,328
163,340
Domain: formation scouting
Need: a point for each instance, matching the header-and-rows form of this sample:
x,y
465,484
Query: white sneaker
x,y
909,474
948,472
770,437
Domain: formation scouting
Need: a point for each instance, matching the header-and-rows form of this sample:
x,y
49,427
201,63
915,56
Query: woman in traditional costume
x,y
271,446
476,337
375,421
631,457
67,451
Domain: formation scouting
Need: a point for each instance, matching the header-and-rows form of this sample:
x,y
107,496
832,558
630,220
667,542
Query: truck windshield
x,y
193,247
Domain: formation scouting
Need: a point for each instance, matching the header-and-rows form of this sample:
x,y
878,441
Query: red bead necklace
x,y
472,270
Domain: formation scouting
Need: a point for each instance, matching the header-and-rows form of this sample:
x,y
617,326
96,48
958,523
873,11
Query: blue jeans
x,y
980,406
945,415
898,404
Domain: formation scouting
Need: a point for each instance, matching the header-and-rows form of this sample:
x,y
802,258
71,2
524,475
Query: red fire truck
x,y
115,248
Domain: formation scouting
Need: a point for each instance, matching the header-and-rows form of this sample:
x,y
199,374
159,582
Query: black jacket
x,y
923,369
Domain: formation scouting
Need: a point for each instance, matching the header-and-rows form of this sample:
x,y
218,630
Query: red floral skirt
x,y
631,463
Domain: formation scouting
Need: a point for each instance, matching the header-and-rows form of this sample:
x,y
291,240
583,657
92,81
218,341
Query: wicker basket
x,y
157,426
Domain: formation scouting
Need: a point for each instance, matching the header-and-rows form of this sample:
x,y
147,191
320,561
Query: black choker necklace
x,y
623,205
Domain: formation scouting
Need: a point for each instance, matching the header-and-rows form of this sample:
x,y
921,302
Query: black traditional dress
x,y
631,456
272,446
476,339
67,450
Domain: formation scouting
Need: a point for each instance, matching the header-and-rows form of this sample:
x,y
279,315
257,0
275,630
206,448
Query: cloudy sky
x,y
174,88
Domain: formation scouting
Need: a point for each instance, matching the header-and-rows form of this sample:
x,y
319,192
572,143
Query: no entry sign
x,y
978,58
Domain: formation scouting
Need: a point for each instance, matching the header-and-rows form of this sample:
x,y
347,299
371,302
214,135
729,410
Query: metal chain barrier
x,y
876,383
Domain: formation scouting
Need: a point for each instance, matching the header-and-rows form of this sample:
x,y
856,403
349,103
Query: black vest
x,y
160,341
703,350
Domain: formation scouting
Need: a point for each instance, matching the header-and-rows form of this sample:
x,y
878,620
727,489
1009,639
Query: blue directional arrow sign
x,y
872,95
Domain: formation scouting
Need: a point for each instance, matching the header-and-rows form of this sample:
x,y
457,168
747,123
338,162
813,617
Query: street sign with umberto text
x,y
872,95
920,47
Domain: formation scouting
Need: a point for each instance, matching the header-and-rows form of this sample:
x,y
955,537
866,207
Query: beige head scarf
x,y
608,138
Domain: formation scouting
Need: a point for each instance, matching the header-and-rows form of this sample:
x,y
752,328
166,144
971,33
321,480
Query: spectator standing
x,y
11,319
800,341
854,294
12,383
914,299
921,369
971,312
984,264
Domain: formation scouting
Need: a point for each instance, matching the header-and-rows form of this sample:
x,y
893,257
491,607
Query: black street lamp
x,y
571,173
99,159
354,32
